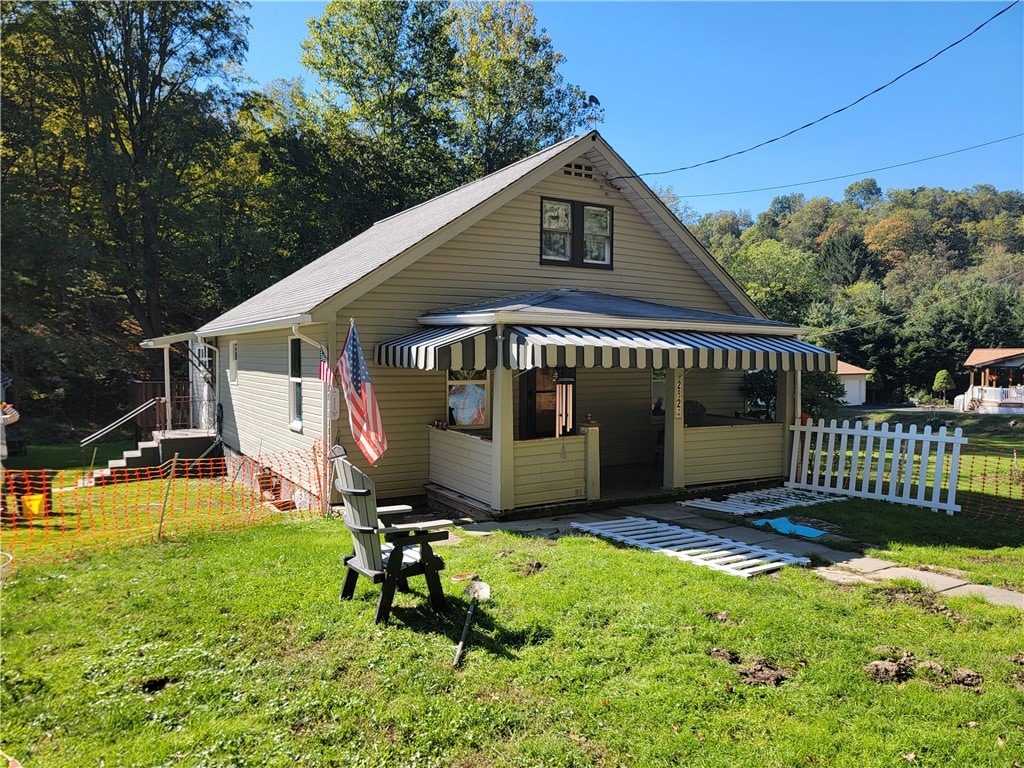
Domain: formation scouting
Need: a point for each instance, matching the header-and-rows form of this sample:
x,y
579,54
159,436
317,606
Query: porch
x,y
998,400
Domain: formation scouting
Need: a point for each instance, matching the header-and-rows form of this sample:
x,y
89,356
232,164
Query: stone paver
x,y
992,594
937,581
865,564
841,577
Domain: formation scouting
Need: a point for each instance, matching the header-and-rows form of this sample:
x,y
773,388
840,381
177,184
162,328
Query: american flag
x,y
363,413
326,372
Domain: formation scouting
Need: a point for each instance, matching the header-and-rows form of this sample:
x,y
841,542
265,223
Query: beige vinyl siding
x,y
619,399
461,461
728,453
543,476
256,407
718,391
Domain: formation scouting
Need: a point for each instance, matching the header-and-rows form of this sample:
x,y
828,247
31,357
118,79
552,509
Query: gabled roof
x,y
580,307
983,356
849,369
366,260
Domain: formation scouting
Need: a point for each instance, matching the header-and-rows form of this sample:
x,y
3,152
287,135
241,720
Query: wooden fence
x,y
902,466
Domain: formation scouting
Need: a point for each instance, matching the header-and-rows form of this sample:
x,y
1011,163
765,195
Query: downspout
x,y
325,429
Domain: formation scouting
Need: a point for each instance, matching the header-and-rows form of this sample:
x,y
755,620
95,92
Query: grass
x,y
983,430
983,551
232,649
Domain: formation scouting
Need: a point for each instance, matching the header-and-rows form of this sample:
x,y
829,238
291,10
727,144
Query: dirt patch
x,y
723,654
722,617
761,672
898,665
924,600
967,678
529,569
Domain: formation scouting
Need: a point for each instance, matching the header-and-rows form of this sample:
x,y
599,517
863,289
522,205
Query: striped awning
x,y
441,348
528,347
535,347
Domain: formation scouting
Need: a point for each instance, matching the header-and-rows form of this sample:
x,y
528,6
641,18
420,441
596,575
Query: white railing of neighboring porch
x,y
996,394
906,467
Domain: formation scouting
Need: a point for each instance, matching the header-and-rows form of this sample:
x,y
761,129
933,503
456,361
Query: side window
x,y
295,382
468,398
233,362
574,234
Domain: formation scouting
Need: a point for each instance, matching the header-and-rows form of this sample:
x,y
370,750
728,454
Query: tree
x,y
845,259
782,281
864,194
943,383
822,394
390,74
113,114
511,99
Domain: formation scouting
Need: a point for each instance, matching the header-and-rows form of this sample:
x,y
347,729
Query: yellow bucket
x,y
32,504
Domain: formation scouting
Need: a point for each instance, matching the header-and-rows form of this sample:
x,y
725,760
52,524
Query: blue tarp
x,y
783,525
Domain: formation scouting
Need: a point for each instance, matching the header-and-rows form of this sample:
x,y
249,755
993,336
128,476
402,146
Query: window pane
x,y
555,245
597,249
295,359
596,221
556,216
297,401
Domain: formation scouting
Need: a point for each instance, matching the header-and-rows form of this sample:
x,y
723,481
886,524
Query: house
x,y
1000,387
855,380
527,334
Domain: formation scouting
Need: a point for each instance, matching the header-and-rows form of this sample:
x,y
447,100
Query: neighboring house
x,y
1000,381
855,380
540,312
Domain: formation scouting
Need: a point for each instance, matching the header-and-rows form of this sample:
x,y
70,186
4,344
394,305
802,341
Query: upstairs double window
x,y
575,234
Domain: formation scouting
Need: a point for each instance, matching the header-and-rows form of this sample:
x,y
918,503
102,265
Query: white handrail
x,y
114,425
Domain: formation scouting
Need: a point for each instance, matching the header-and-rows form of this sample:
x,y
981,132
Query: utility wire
x,y
858,173
830,114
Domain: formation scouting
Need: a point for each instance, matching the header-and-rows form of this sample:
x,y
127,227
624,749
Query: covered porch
x,y
515,459
996,384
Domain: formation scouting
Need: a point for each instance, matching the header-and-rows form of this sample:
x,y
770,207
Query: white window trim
x,y
232,362
294,385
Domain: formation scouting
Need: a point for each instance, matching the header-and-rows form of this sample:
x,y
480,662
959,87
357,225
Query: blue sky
x,y
686,82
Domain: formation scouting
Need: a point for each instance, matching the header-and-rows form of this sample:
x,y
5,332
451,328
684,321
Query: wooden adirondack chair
x,y
406,550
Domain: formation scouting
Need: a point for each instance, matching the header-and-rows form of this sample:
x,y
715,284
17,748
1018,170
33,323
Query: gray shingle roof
x,y
305,289
565,304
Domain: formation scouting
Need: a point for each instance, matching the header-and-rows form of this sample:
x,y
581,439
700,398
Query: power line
x,y
858,173
830,114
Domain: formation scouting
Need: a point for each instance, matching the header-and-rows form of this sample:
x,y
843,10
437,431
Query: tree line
x,y
904,283
146,186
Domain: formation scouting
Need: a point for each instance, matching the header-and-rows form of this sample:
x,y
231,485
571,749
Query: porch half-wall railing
x,y
897,465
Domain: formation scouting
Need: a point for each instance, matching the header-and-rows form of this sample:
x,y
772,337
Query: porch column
x,y
167,385
787,410
675,395
502,466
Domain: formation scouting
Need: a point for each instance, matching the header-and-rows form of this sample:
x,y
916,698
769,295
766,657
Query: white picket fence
x,y
903,466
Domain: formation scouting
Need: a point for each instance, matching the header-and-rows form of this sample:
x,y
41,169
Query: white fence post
x,y
894,465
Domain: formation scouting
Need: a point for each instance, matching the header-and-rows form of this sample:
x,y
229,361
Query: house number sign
x,y
679,399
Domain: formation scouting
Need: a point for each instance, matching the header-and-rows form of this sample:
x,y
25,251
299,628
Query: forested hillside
x,y
903,282
146,188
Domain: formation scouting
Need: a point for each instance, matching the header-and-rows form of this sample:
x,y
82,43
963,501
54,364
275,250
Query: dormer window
x,y
575,234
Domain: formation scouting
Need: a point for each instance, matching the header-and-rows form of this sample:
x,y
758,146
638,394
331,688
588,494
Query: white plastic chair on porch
x,y
406,550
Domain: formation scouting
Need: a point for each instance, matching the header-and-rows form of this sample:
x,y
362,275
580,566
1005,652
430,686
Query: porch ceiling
x,y
526,347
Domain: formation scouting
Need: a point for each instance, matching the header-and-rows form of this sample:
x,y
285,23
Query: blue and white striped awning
x,y
441,348
528,347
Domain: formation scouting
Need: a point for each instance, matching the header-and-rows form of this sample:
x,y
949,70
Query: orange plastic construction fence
x,y
50,515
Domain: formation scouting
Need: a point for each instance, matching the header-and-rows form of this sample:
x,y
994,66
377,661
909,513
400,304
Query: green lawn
x,y
232,649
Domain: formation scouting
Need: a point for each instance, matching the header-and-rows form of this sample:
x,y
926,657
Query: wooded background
x,y
146,188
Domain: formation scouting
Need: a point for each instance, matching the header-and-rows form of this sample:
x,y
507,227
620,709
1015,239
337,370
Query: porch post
x,y
675,395
502,466
787,410
167,385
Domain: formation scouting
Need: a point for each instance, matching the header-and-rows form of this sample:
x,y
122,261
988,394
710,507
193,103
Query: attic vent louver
x,y
579,170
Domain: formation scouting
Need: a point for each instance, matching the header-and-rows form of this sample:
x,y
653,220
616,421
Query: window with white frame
x,y
295,382
233,362
575,234
468,398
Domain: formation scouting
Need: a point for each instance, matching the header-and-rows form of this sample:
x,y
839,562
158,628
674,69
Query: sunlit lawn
x,y
232,649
